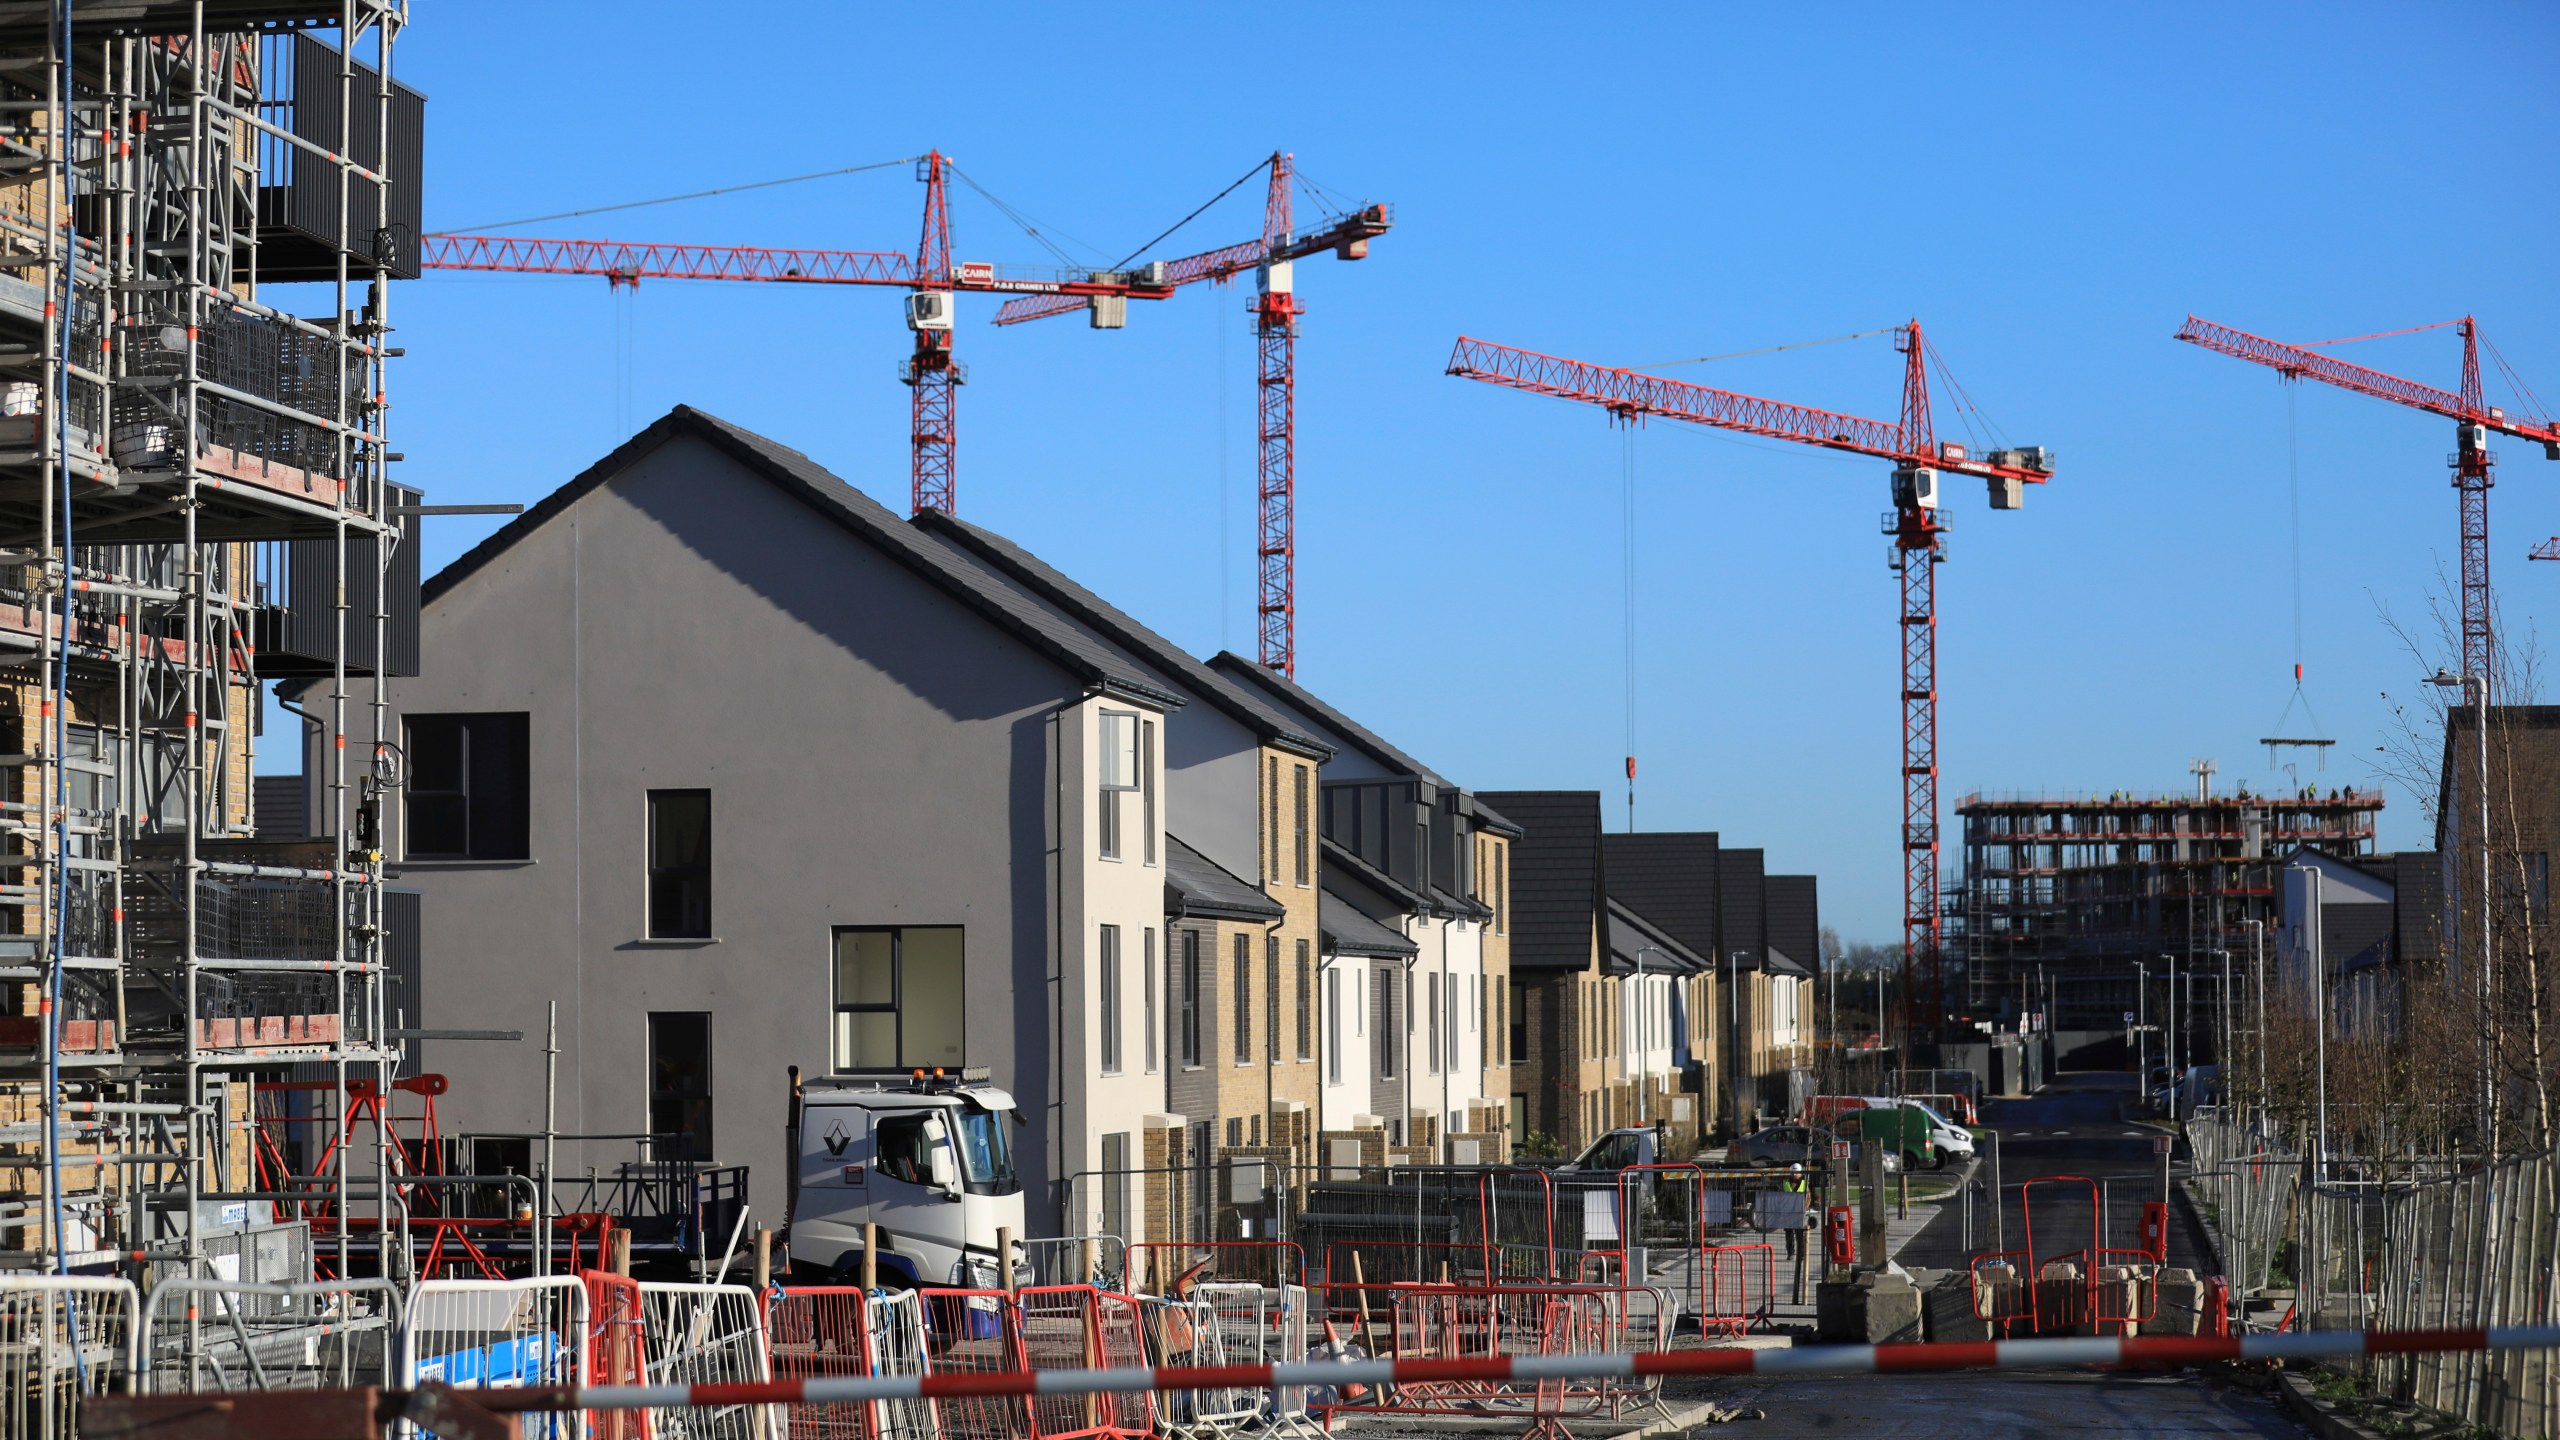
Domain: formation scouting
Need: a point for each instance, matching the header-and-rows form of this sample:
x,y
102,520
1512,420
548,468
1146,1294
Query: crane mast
x,y
1916,525
2472,462
1275,311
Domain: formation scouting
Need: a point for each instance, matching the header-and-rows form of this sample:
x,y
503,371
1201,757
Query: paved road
x,y
1984,1407
2074,1127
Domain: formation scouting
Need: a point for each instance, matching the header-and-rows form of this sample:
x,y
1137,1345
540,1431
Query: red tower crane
x,y
931,373
1275,323
2474,420
1916,524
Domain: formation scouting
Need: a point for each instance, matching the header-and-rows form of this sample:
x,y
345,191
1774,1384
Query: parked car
x,y
1782,1145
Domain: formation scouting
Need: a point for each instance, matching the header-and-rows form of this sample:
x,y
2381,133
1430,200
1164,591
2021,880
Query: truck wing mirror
x,y
944,1178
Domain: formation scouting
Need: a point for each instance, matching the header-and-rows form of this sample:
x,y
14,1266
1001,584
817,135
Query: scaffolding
x,y
201,206
2063,895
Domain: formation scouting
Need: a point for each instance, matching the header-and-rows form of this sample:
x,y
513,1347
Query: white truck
x,y
927,1161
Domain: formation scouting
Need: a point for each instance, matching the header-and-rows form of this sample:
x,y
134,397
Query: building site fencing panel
x,y
2369,1249
1455,1322
475,1334
1264,1325
617,1348
1098,1260
1168,1268
1077,1327
840,1333
706,1335
200,1335
63,1338
975,1332
1185,1332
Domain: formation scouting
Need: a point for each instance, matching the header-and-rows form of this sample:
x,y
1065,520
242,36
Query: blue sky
x,y
2048,188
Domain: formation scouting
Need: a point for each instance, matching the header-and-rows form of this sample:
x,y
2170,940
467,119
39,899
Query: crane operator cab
x,y
928,1162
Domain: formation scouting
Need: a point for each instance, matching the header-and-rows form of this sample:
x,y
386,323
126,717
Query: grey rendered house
x,y
744,772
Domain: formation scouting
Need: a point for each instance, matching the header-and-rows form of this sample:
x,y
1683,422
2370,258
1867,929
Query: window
x,y
1190,997
1115,1184
1118,772
1432,992
1147,788
1501,890
468,777
1299,822
900,997
1108,963
1271,997
1244,1000
1235,1131
1306,1002
1147,987
679,864
899,1151
1274,823
1387,1024
1333,1026
680,1086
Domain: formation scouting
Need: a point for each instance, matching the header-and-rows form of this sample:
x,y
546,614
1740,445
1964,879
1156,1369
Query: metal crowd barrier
x,y
200,1335
64,1339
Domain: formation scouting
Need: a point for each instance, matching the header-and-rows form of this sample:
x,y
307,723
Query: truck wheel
x,y
1938,1161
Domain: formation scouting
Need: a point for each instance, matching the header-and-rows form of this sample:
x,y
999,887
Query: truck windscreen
x,y
986,1153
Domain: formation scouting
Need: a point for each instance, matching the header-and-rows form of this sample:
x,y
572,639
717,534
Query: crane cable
x,y
672,199
2293,503
1766,349
1194,215
1627,559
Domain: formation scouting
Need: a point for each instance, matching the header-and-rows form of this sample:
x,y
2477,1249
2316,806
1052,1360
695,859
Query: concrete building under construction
x,y
2062,896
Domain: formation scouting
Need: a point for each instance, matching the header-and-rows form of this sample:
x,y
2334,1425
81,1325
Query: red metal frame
x,y
617,1344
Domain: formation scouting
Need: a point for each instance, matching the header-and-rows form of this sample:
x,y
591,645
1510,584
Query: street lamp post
x,y
2169,1036
2142,1034
2258,962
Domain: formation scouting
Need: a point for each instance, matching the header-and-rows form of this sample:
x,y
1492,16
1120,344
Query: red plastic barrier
x,y
617,1350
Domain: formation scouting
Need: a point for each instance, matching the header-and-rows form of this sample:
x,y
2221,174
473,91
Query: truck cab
x,y
927,1162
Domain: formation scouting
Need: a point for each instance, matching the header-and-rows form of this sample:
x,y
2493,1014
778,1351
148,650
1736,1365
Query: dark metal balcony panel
x,y
300,228
297,632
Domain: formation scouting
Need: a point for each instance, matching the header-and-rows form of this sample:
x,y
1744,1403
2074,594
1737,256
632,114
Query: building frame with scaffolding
x,y
194,479
2062,896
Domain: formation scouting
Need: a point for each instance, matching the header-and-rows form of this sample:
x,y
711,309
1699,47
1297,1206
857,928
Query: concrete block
x,y
2062,1299
1886,1310
2177,1306
1832,1317
1951,1311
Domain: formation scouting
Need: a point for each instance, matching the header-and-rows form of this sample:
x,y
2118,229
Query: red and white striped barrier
x,y
1810,1360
